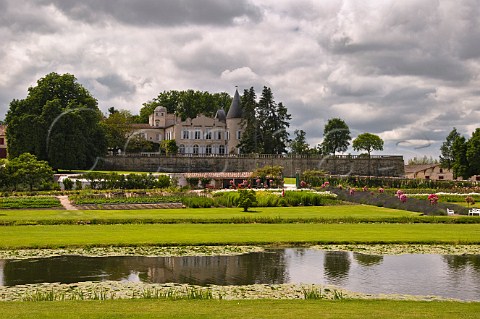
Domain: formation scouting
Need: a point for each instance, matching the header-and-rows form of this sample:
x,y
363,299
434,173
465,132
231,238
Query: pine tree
x,y
273,119
250,140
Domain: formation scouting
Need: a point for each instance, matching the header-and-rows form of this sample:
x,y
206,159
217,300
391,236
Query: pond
x,y
448,276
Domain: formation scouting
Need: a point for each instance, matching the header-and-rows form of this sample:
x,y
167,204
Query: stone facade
x,y
201,135
342,165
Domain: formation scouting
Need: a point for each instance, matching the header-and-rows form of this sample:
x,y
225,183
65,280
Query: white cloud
x,y
406,70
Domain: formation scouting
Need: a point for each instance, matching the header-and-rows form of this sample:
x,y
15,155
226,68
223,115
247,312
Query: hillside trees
x,y
58,121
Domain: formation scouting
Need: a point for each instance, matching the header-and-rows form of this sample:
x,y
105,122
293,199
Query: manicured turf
x,y
242,309
42,236
308,212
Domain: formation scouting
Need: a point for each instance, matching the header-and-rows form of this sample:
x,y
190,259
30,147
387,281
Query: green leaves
x,y
336,136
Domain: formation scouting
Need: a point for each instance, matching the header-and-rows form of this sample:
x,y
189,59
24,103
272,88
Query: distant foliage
x,y
131,181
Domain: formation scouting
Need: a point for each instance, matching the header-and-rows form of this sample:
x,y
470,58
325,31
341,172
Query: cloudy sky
x,y
408,71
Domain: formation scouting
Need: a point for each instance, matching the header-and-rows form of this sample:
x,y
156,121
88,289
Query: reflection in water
x,y
447,276
367,260
337,266
199,270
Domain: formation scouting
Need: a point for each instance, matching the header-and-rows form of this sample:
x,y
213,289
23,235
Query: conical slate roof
x,y
221,116
235,110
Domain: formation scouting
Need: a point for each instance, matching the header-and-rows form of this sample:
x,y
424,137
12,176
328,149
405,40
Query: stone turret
x,y
234,126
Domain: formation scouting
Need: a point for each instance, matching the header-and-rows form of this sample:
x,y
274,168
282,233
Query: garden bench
x,y
450,212
474,211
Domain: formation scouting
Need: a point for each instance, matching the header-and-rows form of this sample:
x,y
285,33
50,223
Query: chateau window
x,y
218,135
441,170
195,149
159,137
440,177
2,141
239,134
208,134
227,135
198,134
181,149
208,149
157,123
221,149
185,134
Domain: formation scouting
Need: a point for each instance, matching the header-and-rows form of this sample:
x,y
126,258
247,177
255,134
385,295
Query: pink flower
x,y
365,188
403,198
381,190
352,191
399,193
303,184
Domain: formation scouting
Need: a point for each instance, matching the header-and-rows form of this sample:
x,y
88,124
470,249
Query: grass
x,y
207,214
284,309
57,236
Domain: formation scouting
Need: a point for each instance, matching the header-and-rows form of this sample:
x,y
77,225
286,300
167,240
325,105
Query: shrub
x,y
197,202
67,184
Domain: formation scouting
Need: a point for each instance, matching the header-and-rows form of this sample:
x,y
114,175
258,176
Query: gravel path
x,y
66,202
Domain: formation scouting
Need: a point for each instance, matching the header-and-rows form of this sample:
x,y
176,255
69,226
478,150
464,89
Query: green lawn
x,y
361,212
42,236
242,309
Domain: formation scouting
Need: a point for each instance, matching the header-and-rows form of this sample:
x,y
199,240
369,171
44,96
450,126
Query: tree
x,y
250,141
118,128
188,103
299,143
274,121
169,147
26,169
422,160
336,136
368,142
447,157
58,121
460,163
473,153
247,199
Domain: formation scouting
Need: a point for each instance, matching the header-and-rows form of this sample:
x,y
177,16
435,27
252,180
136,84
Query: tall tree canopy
x,y
368,142
58,121
447,157
250,141
473,153
336,136
187,103
274,121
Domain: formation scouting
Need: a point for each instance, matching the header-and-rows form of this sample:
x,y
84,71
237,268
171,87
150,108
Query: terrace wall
x,y
340,165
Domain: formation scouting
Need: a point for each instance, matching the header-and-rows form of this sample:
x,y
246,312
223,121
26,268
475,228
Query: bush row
x,y
269,199
100,180
359,181
29,202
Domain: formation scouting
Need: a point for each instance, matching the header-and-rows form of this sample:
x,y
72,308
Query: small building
x,y
3,141
428,171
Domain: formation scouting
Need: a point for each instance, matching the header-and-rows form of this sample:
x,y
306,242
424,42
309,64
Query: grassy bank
x,y
227,215
14,237
240,309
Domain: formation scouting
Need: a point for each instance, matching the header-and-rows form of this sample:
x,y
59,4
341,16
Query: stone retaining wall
x,y
340,165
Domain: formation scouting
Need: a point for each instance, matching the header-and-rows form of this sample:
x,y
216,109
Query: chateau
x,y
201,135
